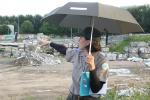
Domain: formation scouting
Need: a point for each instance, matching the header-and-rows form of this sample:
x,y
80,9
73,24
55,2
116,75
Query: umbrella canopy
x,y
84,14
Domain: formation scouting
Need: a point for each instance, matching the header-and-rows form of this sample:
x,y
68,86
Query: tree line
x,y
30,25
142,15
33,24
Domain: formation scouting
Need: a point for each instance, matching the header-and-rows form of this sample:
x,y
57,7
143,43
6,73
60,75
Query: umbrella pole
x,y
71,33
92,25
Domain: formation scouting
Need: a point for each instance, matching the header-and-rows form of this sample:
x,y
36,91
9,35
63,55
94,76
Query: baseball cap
x,y
86,33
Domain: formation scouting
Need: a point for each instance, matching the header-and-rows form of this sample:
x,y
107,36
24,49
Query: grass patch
x,y
120,46
136,38
112,95
61,98
29,98
2,49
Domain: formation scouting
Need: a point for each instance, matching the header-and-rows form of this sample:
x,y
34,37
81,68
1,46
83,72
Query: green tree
x,y
27,27
4,29
37,23
48,28
141,14
45,28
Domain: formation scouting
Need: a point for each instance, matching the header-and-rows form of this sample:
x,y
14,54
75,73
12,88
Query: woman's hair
x,y
96,46
86,33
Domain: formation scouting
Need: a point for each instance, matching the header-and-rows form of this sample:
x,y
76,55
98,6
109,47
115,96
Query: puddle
x,y
43,90
135,59
121,72
147,64
54,71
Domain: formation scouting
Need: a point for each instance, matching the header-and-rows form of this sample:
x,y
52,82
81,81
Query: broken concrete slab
x,y
133,44
111,56
144,50
139,44
142,44
105,49
135,59
122,57
133,55
147,64
133,50
126,92
144,55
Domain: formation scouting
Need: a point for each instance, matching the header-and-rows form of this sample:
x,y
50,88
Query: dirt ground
x,y
52,82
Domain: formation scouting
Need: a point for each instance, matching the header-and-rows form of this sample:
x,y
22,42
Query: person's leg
x,y
73,97
89,98
69,97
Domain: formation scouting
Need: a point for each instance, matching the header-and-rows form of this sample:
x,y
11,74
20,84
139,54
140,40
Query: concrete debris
x,y
148,43
131,91
139,44
147,60
111,56
133,44
122,57
115,39
133,55
147,64
138,49
135,59
105,49
114,56
125,92
126,49
144,52
145,56
133,50
142,44
32,55
36,59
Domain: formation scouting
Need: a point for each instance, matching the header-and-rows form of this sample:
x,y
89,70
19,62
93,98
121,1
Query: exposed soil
x,y
52,82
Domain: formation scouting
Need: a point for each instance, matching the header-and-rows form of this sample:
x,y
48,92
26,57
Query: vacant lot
x,y
52,82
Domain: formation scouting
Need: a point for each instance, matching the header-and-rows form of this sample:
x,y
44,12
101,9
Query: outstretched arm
x,y
60,48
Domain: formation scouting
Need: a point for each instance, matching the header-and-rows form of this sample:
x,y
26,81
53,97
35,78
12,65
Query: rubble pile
x,y
125,89
139,49
113,56
136,52
33,54
131,91
36,59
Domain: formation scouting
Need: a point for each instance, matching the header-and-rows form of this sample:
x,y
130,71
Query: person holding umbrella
x,y
83,61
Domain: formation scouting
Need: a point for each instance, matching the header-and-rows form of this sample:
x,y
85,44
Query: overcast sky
x,y
42,7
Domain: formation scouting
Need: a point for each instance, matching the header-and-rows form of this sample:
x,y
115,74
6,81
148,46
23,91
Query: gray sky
x,y
42,7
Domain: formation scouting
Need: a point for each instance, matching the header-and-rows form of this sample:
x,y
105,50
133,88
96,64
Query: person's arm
x,y
95,82
60,48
